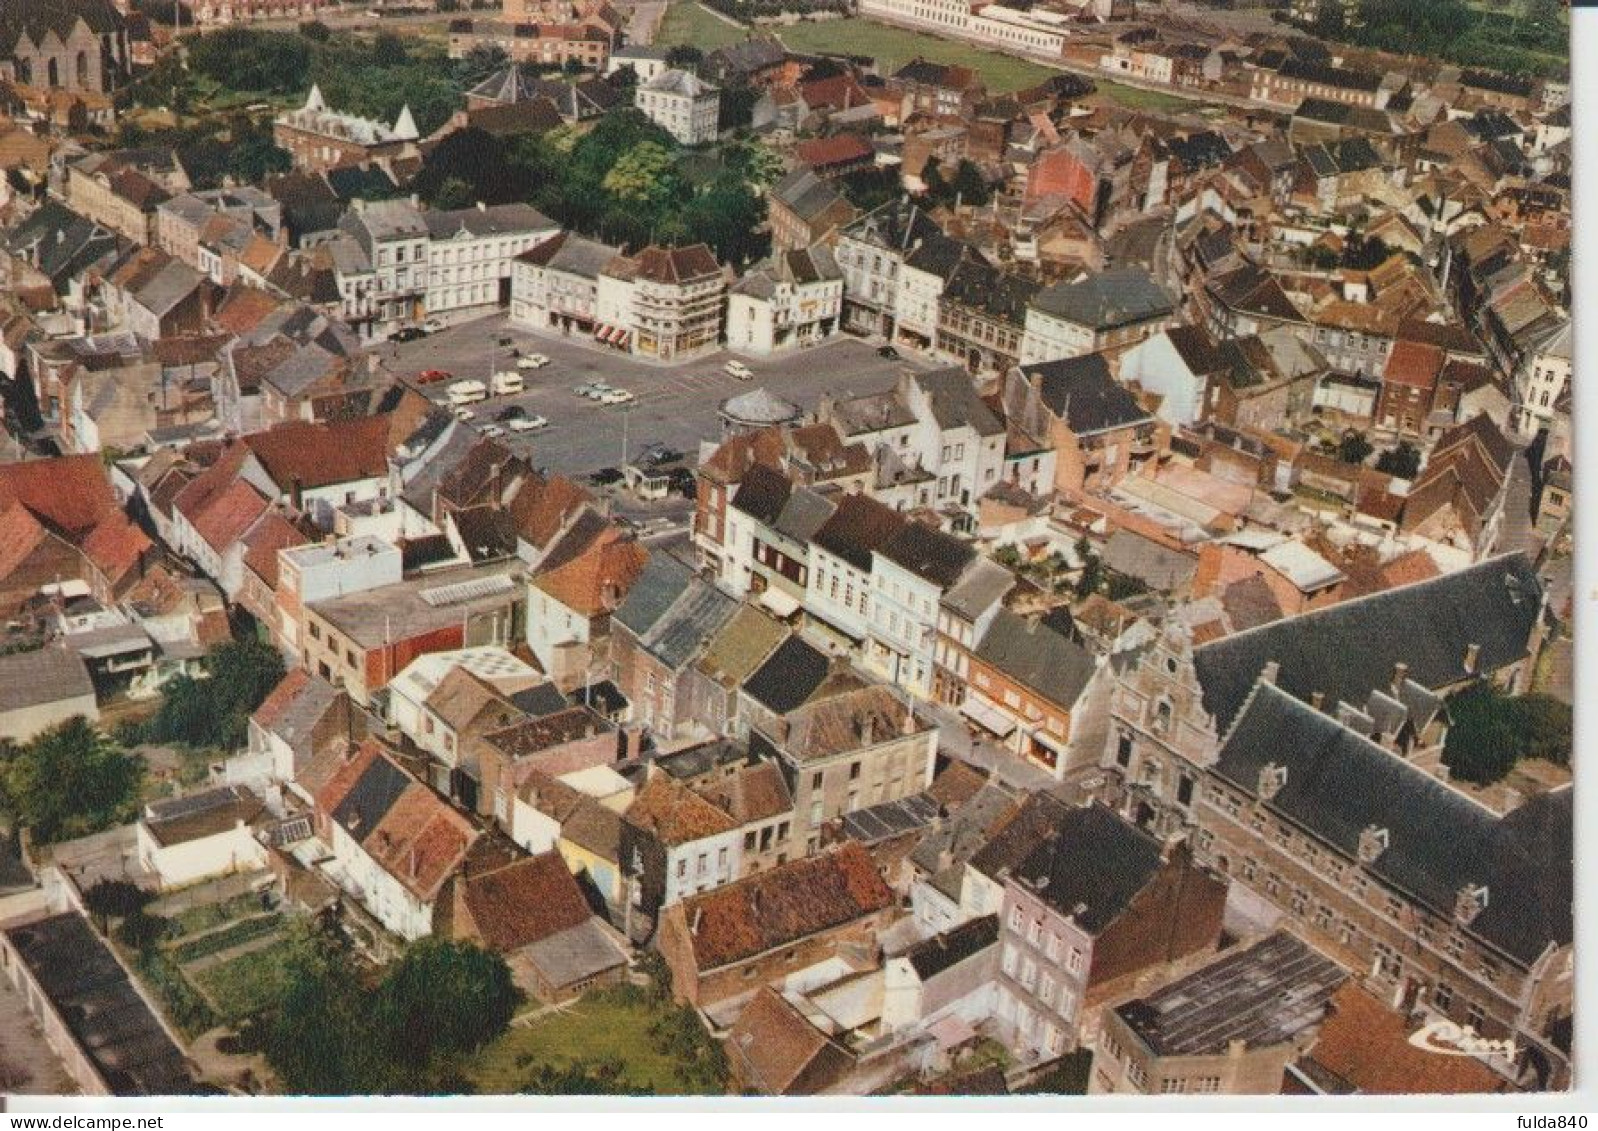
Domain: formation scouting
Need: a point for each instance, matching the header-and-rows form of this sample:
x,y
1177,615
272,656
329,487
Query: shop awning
x,y
779,602
987,716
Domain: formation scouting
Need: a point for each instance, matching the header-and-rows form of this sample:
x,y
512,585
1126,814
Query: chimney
x,y
1472,658
1400,674
1269,673
693,925
1317,699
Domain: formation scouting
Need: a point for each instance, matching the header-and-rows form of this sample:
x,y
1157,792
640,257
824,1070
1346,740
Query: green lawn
x,y
594,1029
689,24
1136,98
894,47
247,984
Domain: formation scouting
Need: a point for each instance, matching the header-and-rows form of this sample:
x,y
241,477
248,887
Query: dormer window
x,y
1272,779
1373,841
1470,902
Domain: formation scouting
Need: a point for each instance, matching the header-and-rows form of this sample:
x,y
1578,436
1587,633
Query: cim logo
x,y
1448,1039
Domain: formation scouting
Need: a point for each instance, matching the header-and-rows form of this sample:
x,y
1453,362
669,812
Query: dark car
x,y
409,334
888,352
514,412
682,481
657,455
605,476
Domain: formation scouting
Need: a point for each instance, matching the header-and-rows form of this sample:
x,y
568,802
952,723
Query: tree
x,y
1092,576
114,899
969,185
483,60
237,58
472,158
316,31
141,930
443,997
388,50
1353,447
645,174
1491,731
215,711
69,782
684,57
1401,461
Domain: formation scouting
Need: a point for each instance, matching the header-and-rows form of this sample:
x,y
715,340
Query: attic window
x,y
1470,902
1272,779
1373,841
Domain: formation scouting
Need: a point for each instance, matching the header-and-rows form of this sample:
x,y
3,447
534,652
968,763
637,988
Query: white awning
x,y
987,716
779,602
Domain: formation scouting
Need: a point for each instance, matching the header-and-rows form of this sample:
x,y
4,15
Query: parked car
x,y
408,334
528,424
605,476
532,361
513,412
428,376
888,352
433,325
465,414
593,390
616,396
682,481
493,431
738,370
507,382
657,454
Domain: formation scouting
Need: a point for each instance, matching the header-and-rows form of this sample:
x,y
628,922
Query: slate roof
x,y
930,554
1093,869
790,902
661,581
43,677
933,956
1118,297
763,493
1082,392
1262,995
877,823
788,677
955,402
1349,649
107,1017
1037,656
672,612
805,193
859,525
1338,783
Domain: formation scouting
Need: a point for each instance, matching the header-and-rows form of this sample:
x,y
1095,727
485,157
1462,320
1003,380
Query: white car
x,y
464,414
493,431
616,396
738,370
528,423
433,325
532,361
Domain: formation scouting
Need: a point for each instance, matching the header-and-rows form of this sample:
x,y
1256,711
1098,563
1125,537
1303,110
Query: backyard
x,y
219,958
620,1033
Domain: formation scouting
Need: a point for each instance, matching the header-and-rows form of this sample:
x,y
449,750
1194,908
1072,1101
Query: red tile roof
x,y
323,454
841,149
70,494
524,902
542,508
792,901
598,579
281,698
261,544
227,514
1367,1045
115,546
674,814
1415,364
20,535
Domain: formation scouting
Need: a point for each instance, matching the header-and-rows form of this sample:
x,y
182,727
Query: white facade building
x,y
682,104
793,300
470,252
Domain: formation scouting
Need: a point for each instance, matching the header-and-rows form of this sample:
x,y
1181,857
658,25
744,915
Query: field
x,y
689,24
601,1028
894,47
1136,98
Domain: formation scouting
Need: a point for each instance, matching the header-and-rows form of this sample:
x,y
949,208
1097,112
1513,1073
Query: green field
x,y
894,47
247,984
689,24
1136,98
598,1028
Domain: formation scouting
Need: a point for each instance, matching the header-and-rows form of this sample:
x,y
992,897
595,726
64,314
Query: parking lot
x,y
675,406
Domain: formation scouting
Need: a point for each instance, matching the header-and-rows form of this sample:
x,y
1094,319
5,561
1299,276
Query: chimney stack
x,y
1472,658
1400,674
